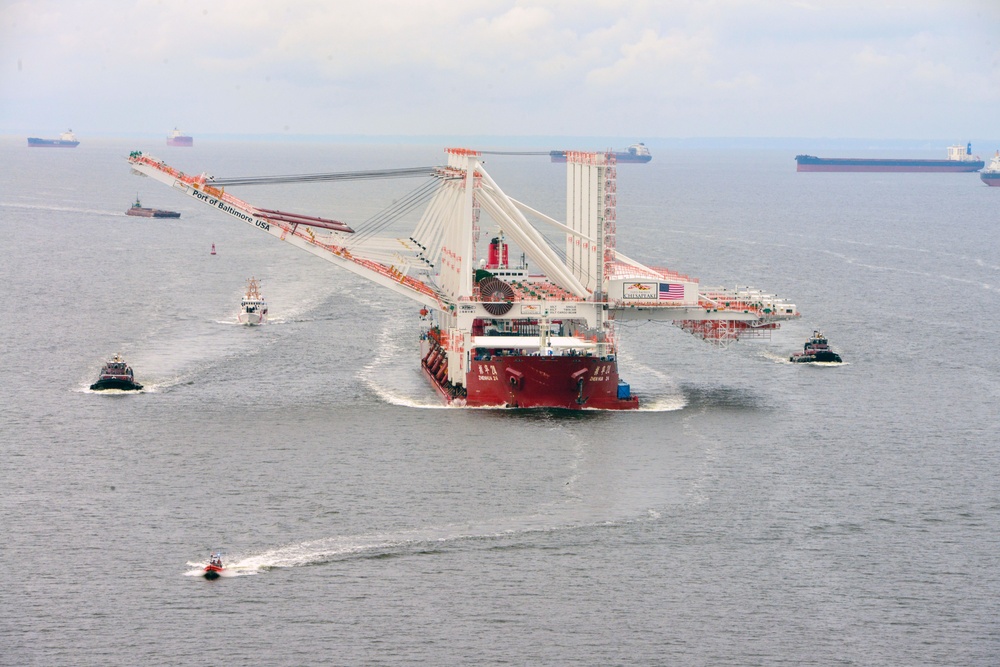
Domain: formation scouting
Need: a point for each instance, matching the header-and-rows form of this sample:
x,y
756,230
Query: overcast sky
x,y
630,68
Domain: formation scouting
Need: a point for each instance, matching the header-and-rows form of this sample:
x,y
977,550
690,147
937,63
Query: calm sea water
x,y
755,513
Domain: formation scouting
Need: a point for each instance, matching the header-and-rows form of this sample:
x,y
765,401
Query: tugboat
x,y
116,374
816,349
253,309
138,209
214,569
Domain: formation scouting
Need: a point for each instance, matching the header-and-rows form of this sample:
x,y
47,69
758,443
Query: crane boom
x,y
292,228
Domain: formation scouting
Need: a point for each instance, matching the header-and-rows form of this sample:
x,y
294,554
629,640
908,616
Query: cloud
x,y
653,53
638,67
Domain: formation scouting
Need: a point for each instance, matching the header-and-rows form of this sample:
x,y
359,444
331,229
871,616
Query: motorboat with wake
x,y
214,569
116,374
817,348
253,308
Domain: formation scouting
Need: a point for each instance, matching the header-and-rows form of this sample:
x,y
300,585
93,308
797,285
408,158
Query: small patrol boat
x,y
214,569
116,374
817,348
253,308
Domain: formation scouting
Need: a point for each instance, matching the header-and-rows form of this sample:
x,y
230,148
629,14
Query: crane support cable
x,y
384,218
407,172
517,152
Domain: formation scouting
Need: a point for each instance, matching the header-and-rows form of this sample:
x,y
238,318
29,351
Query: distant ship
x,y
66,140
138,210
960,158
991,176
176,138
636,153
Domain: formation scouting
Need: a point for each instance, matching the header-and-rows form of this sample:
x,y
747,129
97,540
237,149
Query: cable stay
x,y
517,152
407,172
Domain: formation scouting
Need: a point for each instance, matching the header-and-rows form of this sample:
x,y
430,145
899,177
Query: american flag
x,y
670,292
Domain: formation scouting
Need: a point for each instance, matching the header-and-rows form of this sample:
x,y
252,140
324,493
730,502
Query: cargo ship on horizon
x,y
66,140
635,154
960,159
179,139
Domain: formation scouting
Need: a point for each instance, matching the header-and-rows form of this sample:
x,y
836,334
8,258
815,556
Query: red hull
x,y
185,142
570,383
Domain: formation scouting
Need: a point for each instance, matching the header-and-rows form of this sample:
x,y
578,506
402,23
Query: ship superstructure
x,y
497,334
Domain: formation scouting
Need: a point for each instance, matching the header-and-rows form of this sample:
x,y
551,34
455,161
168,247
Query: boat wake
x,y
657,391
63,209
402,543
394,374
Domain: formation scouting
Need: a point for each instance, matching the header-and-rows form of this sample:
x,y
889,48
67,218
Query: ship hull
x,y
115,383
251,319
35,142
181,142
810,163
807,358
991,178
533,381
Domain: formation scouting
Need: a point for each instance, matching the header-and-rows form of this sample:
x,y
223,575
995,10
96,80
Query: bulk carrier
x,y
494,333
960,159
634,154
66,140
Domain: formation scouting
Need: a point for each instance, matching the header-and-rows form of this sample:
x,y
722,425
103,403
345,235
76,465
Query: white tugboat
x,y
253,308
